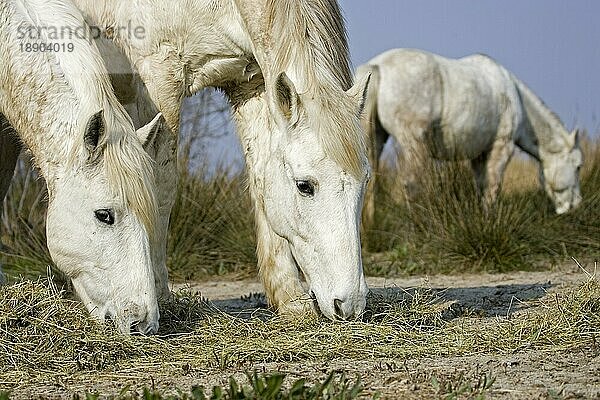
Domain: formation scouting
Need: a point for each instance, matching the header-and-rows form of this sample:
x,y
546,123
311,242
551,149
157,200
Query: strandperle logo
x,y
83,32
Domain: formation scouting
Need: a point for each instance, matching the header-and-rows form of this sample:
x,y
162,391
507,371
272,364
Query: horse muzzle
x,y
342,305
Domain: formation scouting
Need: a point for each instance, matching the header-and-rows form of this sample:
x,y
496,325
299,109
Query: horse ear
x,y
147,133
575,137
287,98
359,91
94,130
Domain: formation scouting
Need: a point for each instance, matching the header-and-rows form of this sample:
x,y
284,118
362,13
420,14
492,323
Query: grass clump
x,y
270,387
212,230
258,387
444,227
23,248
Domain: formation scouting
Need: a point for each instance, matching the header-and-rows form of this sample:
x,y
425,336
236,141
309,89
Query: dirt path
x,y
490,294
528,375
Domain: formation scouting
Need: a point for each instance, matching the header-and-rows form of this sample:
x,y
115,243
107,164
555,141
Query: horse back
x,y
455,107
409,97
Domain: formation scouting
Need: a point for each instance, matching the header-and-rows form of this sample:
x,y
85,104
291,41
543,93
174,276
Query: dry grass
x,y
46,337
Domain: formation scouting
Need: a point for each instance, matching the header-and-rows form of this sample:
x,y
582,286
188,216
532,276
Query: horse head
x,y
560,173
99,225
314,187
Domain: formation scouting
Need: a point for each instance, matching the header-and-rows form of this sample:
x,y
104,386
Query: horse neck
x,y
50,102
543,130
252,117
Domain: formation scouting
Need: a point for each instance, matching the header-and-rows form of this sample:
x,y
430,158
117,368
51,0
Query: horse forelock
x,y
309,38
128,168
130,175
335,119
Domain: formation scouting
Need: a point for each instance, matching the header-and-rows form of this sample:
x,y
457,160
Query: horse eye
x,y
306,188
105,216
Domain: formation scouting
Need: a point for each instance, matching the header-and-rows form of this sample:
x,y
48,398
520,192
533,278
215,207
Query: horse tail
x,y
370,123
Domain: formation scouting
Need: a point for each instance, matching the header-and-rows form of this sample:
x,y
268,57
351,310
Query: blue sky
x,y
552,45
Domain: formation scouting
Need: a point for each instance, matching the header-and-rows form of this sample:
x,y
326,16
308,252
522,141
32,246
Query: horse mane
x,y
131,176
128,167
310,34
535,109
309,38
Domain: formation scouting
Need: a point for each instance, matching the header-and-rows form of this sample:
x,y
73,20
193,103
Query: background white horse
x,y
471,108
284,65
102,205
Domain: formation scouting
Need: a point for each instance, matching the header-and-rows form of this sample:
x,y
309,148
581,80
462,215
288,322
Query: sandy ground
x,y
525,375
534,375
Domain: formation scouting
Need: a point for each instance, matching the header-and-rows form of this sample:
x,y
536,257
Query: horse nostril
x,y
337,306
134,325
145,328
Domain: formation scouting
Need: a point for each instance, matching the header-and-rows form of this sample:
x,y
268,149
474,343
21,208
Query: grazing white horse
x,y
471,108
102,202
284,65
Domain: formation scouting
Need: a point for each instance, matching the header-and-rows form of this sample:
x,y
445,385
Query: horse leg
x,y
377,141
413,162
495,165
376,136
9,153
478,165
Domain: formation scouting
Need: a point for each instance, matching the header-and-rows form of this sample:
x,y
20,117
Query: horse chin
x,y
562,209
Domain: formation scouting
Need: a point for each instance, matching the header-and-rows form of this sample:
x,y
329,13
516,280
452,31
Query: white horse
x,y
102,202
284,65
471,108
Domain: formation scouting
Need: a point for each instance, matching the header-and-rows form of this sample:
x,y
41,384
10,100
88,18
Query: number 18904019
x,y
47,47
